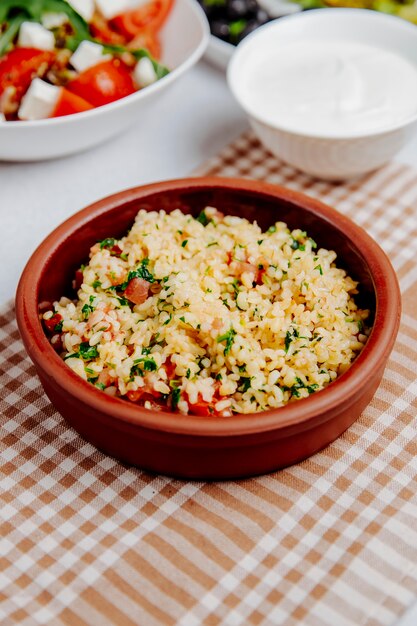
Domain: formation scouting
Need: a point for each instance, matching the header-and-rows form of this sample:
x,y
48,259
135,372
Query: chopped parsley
x,y
85,352
296,245
184,243
142,365
140,272
290,335
320,269
96,284
88,352
107,243
294,389
271,230
245,383
175,397
86,310
203,219
229,338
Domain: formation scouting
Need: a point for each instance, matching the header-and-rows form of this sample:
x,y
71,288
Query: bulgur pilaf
x,y
209,315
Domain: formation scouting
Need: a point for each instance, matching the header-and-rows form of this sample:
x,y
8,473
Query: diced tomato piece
x,y
115,250
69,103
202,409
137,290
104,377
143,394
19,66
150,16
52,322
103,83
169,367
241,267
261,274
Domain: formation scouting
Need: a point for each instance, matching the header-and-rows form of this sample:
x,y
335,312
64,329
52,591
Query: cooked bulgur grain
x,y
209,315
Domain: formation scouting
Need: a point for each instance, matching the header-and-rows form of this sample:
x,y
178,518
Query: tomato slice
x,y
151,16
103,83
20,66
69,103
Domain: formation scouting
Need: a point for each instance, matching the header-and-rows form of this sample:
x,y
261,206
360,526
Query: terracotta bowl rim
x,y
297,416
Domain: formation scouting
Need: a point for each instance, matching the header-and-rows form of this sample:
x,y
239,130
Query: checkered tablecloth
x,y
86,540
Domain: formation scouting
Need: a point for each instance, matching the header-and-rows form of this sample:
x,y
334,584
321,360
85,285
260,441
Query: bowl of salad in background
x,y
232,20
73,74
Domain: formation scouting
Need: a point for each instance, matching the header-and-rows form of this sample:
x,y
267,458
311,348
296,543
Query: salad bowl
x,y
184,38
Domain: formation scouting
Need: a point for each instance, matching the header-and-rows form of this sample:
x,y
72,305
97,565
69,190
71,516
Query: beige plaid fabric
x,y
86,540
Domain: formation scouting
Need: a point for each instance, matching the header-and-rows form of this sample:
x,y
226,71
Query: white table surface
x,y
191,123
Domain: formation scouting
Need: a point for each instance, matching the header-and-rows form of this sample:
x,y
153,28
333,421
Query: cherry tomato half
x,y
20,66
69,103
150,16
103,83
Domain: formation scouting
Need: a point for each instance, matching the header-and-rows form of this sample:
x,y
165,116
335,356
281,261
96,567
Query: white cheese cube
x,y
111,8
39,101
85,8
144,73
33,35
88,54
54,20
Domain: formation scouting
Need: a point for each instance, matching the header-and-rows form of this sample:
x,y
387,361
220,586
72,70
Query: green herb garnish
x,y
229,338
107,243
142,365
203,219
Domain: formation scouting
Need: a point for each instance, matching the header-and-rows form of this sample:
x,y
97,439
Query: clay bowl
x,y
190,446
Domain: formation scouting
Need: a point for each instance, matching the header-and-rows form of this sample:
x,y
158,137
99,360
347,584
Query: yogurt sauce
x,y
333,88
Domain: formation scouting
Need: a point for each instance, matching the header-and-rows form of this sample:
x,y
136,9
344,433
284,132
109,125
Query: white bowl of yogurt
x,y
332,92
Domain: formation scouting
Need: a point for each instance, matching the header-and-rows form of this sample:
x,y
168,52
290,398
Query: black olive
x,y
236,9
262,17
220,28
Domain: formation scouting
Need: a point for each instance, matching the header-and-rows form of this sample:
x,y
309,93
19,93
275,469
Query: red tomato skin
x,y
69,103
137,290
19,66
103,83
52,322
150,16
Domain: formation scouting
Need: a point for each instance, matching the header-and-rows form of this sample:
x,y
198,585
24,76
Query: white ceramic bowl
x,y
184,39
333,157
219,52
